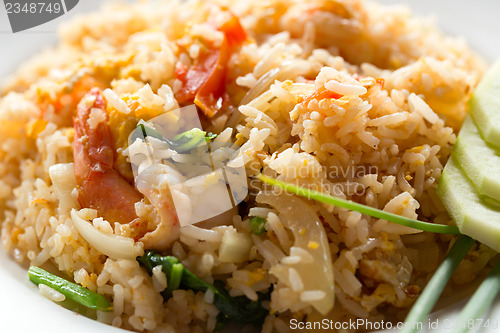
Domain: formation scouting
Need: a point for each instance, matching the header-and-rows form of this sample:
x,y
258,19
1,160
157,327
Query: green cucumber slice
x,y
473,216
485,105
479,160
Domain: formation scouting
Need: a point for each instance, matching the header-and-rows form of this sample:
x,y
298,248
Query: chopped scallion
x,y
257,225
480,301
71,290
188,140
175,276
181,143
238,309
434,288
210,136
363,209
142,131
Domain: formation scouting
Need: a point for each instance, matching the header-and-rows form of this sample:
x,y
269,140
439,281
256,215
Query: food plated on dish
x,y
150,162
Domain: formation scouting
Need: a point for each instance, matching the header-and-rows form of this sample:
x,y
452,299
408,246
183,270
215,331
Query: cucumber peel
x,y
485,105
479,160
474,216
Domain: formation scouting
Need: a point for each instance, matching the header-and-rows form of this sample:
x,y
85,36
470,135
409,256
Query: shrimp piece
x,y
166,219
100,186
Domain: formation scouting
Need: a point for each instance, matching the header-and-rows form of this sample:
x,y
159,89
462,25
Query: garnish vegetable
x,y
257,225
479,160
180,143
480,301
469,187
377,213
434,288
71,290
205,80
238,309
188,140
473,216
484,106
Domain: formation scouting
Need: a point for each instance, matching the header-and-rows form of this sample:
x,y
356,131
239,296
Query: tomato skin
x,y
319,95
234,31
204,83
181,71
64,103
196,76
209,96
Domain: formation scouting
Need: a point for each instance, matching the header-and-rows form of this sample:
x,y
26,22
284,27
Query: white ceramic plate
x,y
22,309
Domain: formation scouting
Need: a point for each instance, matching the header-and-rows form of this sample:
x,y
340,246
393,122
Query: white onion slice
x,y
316,274
114,246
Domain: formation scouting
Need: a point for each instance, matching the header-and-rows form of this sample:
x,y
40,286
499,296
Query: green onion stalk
x,y
363,209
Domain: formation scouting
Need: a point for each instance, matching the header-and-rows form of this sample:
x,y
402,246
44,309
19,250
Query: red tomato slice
x,y
205,81
319,95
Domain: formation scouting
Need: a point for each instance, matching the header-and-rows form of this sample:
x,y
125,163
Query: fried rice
x,y
352,98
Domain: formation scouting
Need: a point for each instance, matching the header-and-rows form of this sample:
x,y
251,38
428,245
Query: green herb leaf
x,y
363,209
210,136
71,290
434,288
143,130
188,140
238,309
176,276
257,225
180,143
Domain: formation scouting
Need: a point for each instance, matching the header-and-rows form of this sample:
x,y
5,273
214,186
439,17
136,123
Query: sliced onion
x,y
316,275
114,246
